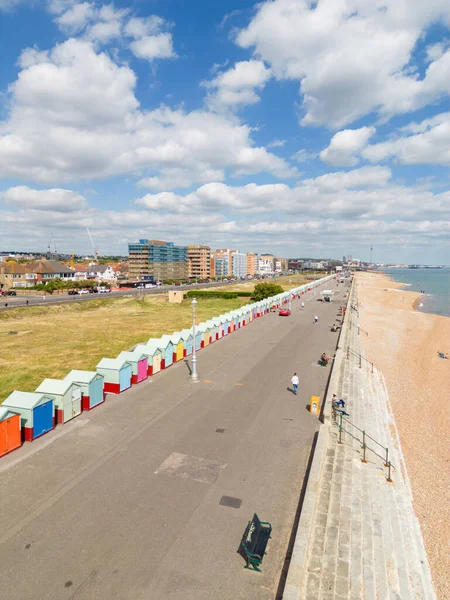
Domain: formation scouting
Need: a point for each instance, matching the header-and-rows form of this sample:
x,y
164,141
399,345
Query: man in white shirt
x,y
294,382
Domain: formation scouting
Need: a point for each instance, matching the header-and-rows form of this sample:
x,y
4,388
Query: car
x,y
93,290
284,312
72,292
83,292
103,290
11,293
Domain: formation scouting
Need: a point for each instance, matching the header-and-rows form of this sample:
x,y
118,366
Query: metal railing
x,y
363,330
359,356
385,458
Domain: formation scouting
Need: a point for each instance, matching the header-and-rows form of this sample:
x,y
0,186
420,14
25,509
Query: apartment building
x,y
252,264
238,264
199,261
155,260
280,265
222,263
26,275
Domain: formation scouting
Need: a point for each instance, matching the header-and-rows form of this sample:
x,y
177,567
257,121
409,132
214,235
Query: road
x,y
124,502
9,302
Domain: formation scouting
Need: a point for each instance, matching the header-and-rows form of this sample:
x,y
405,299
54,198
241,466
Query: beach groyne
x,y
358,536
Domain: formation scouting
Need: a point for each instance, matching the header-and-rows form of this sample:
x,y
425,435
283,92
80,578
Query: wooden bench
x,y
254,542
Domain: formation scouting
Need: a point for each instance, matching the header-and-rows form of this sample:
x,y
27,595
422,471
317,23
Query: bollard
x,y
360,361
389,472
364,460
386,462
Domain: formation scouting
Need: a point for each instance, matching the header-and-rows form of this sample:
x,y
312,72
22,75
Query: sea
x,y
435,283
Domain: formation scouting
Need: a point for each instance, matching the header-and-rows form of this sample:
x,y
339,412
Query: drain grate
x,y
230,502
220,430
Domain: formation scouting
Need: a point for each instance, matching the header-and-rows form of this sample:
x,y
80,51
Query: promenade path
x,y
358,537
123,503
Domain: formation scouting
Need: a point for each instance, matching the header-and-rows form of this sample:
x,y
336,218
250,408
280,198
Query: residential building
x,y
199,261
101,272
251,264
280,265
238,264
155,260
41,271
266,264
295,264
223,265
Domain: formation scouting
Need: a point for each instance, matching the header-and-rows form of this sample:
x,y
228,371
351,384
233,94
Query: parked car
x,y
103,290
83,292
93,290
11,293
72,292
284,312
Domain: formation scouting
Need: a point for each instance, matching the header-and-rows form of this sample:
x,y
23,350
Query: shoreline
x,y
403,344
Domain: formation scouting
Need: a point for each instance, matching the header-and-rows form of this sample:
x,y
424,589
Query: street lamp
x,y
290,299
194,374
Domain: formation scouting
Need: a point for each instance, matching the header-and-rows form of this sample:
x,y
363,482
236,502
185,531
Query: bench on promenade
x,y
254,542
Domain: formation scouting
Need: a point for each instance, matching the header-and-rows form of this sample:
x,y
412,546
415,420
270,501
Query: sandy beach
x,y
403,344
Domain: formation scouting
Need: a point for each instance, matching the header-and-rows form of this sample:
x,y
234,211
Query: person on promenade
x,y
316,319
295,382
303,305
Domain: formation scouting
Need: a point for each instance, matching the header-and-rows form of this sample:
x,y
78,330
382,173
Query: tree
x,y
266,290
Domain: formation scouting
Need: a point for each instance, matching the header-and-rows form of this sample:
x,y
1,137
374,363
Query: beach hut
x,y
153,354
10,431
213,329
67,397
166,346
199,333
139,365
37,413
203,327
226,324
218,321
188,340
91,384
116,373
235,319
178,346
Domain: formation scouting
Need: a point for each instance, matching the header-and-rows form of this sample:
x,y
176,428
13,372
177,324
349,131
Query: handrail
x,y
363,330
358,355
385,458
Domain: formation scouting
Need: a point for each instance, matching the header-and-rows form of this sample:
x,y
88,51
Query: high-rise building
x,y
238,264
153,260
222,262
280,265
252,264
199,261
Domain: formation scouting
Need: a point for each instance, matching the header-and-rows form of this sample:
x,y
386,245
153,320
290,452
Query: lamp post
x,y
194,374
290,301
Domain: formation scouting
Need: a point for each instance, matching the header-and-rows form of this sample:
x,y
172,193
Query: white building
x,y
265,264
239,264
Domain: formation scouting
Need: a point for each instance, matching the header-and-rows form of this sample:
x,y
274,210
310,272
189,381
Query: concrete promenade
x,y
126,502
358,536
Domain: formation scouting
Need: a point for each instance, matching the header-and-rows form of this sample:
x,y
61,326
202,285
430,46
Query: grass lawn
x,y
52,340
287,282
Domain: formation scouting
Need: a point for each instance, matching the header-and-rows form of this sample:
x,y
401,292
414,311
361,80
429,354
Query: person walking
x,y
294,382
316,319
303,305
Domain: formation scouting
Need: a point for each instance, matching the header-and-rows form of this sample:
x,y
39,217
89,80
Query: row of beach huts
x,y
25,416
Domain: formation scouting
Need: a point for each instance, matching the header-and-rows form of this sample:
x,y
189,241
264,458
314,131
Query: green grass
x,y
52,340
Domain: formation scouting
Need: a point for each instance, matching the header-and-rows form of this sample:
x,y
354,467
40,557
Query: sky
x,y
311,128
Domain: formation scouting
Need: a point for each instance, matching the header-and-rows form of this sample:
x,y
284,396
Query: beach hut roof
x,y
54,386
202,327
165,339
134,356
111,363
5,413
24,399
185,333
81,376
176,337
153,345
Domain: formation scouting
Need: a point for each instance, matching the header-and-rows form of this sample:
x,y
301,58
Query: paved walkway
x,y
365,540
126,502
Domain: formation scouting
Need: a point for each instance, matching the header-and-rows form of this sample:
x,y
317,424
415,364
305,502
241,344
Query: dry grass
x,y
287,283
52,340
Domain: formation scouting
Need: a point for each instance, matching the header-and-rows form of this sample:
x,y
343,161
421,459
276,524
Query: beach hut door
x,y
96,392
42,418
76,401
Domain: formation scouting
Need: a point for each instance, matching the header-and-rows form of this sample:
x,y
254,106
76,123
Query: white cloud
x,y
430,145
303,155
151,47
237,86
76,94
59,200
276,144
344,145
141,27
76,17
351,57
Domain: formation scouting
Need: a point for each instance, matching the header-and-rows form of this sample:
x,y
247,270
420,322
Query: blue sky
x,y
288,126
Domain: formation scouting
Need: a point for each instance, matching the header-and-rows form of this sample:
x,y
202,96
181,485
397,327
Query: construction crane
x,y
72,262
93,245
49,248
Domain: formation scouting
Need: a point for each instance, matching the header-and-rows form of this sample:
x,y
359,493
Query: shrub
x,y
266,290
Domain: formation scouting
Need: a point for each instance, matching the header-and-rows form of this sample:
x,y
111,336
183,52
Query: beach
x,y
403,343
